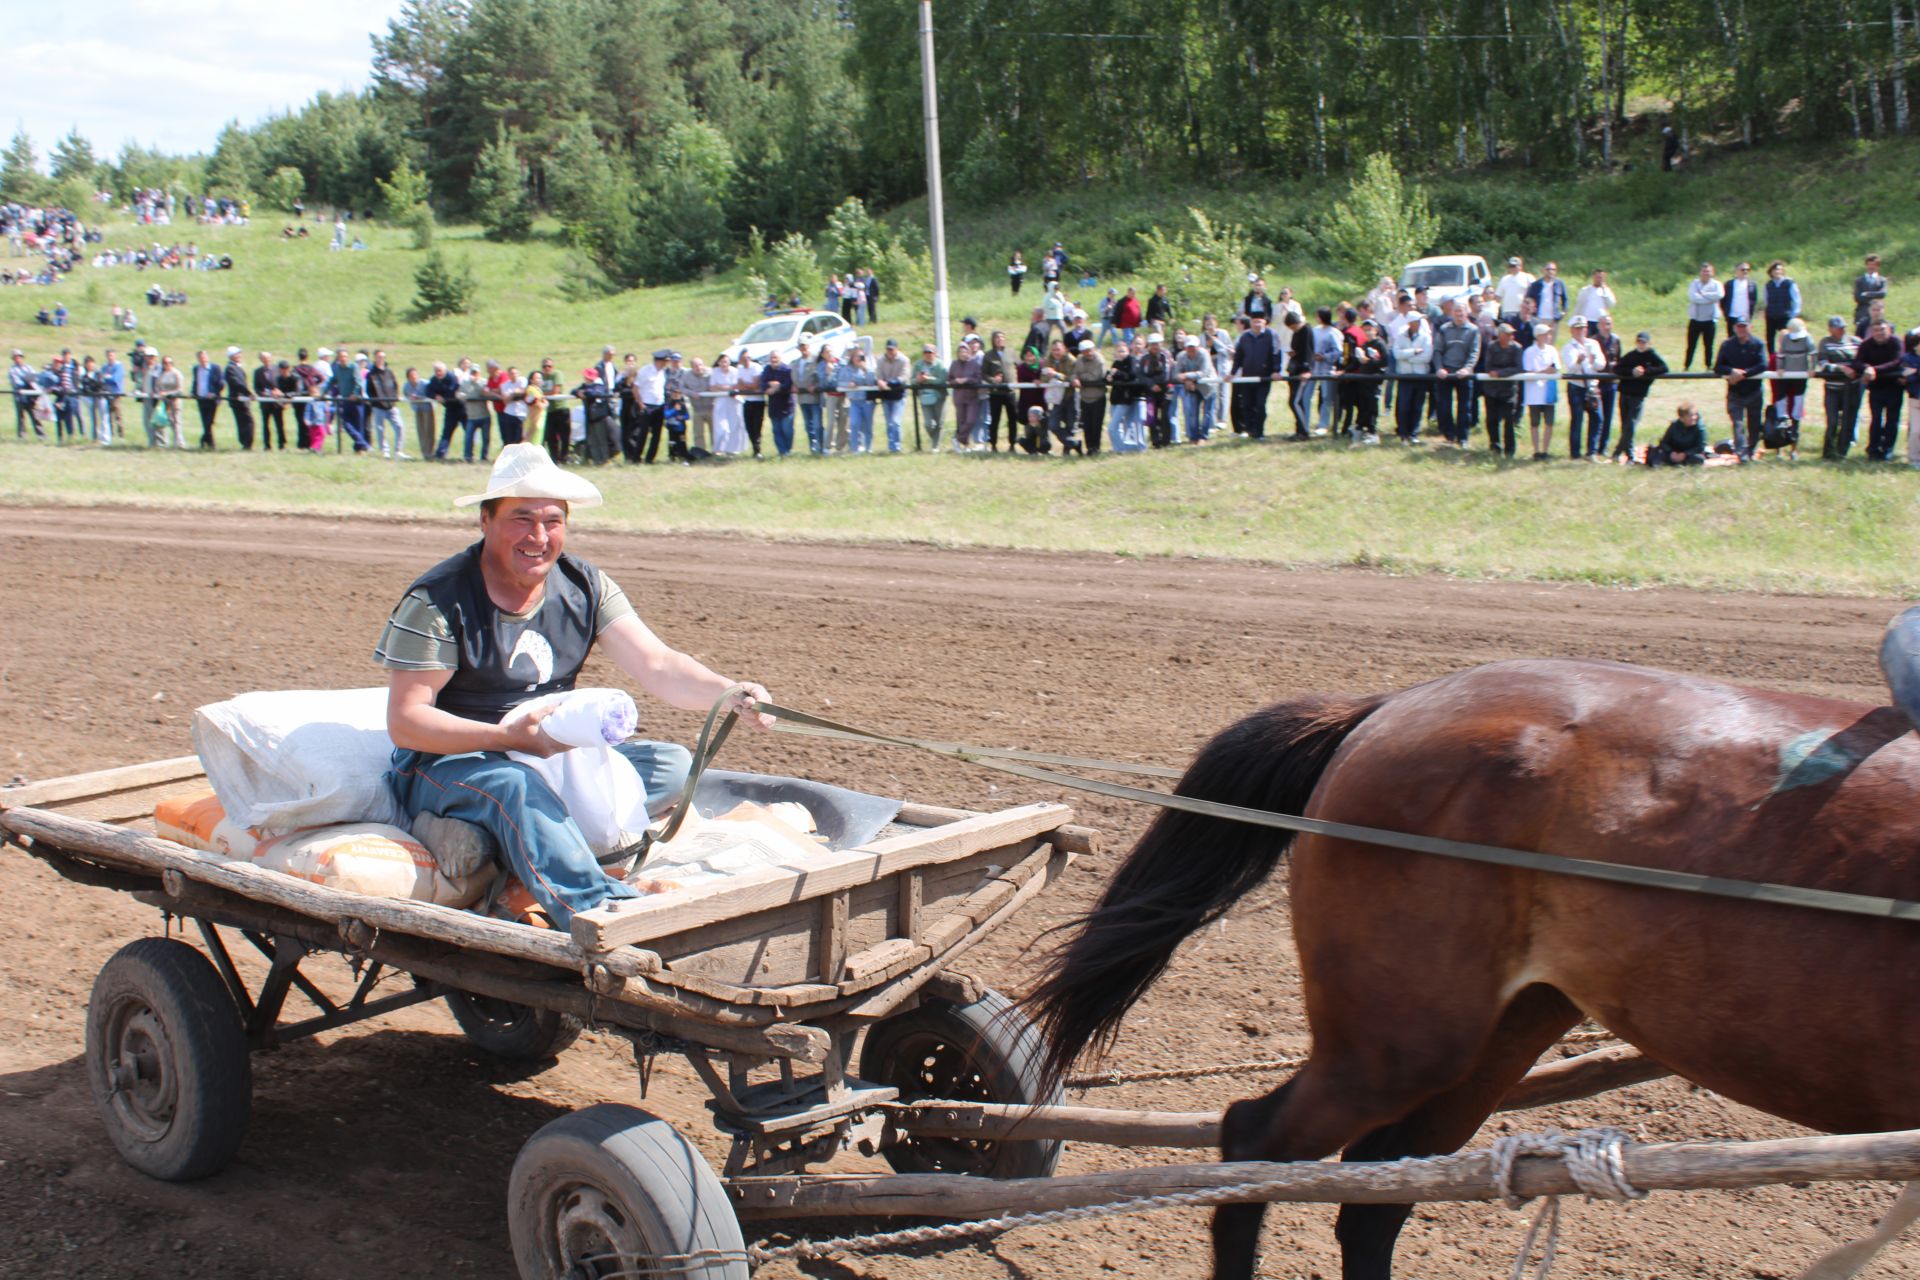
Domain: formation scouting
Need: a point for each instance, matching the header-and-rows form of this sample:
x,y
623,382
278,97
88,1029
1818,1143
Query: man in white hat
x,y
510,619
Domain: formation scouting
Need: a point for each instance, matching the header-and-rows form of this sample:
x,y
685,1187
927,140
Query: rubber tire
x,y
204,1047
1002,1051
532,1035
639,1163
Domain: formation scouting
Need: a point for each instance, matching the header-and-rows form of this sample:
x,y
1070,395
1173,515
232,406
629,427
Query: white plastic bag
x,y
301,758
599,786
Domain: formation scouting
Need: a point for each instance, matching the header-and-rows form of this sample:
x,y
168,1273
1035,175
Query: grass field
x,y
1810,528
1849,529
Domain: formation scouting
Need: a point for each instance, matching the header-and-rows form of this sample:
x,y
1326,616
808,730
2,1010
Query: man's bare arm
x,y
415,724
669,675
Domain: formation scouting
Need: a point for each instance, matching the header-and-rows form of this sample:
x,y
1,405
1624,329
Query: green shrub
x,y
987,169
443,287
1384,223
381,313
1498,220
789,267
1204,269
285,187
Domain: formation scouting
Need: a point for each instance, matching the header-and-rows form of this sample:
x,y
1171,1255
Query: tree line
x,y
661,133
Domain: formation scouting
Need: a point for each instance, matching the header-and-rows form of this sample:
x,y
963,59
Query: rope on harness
x,y
1586,868
705,749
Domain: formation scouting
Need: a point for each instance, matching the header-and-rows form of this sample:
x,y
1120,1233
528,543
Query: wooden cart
x,y
812,1004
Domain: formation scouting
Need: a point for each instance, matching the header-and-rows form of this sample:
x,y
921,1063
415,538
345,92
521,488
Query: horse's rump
x,y
1796,1011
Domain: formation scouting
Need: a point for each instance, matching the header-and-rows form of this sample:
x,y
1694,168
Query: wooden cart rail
x,y
857,935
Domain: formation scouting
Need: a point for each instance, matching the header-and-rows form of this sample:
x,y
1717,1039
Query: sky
x,y
170,73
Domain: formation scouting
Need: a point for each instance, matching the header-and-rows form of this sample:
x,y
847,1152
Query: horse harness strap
x,y
1021,765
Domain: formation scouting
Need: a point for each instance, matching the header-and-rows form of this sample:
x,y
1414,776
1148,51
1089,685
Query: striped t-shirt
x,y
417,637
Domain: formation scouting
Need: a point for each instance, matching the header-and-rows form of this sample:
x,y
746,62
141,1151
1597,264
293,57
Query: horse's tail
x,y
1188,869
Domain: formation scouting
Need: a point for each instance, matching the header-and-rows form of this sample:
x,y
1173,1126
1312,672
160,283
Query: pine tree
x,y
20,178
73,157
499,191
443,288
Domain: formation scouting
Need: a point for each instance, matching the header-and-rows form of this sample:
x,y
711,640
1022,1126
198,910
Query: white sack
x,y
586,717
599,786
301,758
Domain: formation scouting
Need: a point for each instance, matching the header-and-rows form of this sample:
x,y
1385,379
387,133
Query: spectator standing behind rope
x,y
1412,349
1795,356
1505,360
650,400
1636,370
929,375
1090,383
996,373
1581,355
1703,314
776,383
234,377
966,375
1880,365
1456,357
383,401
806,395
443,388
1741,357
22,379
266,391
1016,272
478,404
1544,395
890,375
207,385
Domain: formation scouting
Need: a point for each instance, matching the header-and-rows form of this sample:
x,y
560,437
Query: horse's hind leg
x,y
1535,1019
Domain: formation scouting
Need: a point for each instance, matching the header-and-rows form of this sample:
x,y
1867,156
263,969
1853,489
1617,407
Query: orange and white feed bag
x,y
361,857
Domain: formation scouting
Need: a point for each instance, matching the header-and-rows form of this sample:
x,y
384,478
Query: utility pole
x,y
936,212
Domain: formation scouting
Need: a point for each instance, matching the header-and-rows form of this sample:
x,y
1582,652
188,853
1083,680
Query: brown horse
x,y
1433,984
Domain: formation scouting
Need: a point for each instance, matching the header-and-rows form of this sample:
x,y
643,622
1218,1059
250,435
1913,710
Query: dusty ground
x,y
383,1150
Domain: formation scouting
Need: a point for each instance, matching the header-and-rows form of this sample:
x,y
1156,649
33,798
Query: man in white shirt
x,y
1511,288
1741,298
650,393
1703,311
1582,354
1412,357
1596,299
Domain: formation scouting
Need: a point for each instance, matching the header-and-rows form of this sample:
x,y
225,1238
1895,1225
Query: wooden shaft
x,y
1614,1067
1665,1166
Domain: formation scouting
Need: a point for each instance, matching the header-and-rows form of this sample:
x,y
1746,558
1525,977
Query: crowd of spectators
x,y
1394,363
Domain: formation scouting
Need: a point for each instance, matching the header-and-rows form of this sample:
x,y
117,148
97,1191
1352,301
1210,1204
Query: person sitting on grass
x,y
1684,444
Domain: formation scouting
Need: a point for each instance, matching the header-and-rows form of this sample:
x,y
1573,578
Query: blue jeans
x,y
1583,420
810,417
782,433
1197,407
382,420
527,820
859,426
890,413
482,424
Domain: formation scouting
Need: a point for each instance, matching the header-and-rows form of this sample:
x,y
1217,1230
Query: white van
x,y
1450,276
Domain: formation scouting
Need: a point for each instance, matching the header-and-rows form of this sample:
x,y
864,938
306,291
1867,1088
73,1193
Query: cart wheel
x,y
167,1058
615,1191
986,1051
516,1032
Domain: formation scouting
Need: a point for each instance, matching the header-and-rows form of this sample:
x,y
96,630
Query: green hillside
x,y
1819,208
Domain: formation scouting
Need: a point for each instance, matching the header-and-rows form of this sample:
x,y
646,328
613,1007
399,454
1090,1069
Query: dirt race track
x,y
382,1150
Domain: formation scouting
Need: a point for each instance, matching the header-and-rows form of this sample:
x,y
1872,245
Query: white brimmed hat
x,y
528,471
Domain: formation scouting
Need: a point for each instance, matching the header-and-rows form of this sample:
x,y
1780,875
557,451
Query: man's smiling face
x,y
523,538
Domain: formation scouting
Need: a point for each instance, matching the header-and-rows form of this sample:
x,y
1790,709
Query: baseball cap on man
x,y
1086,344
1513,262
1836,322
1643,336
